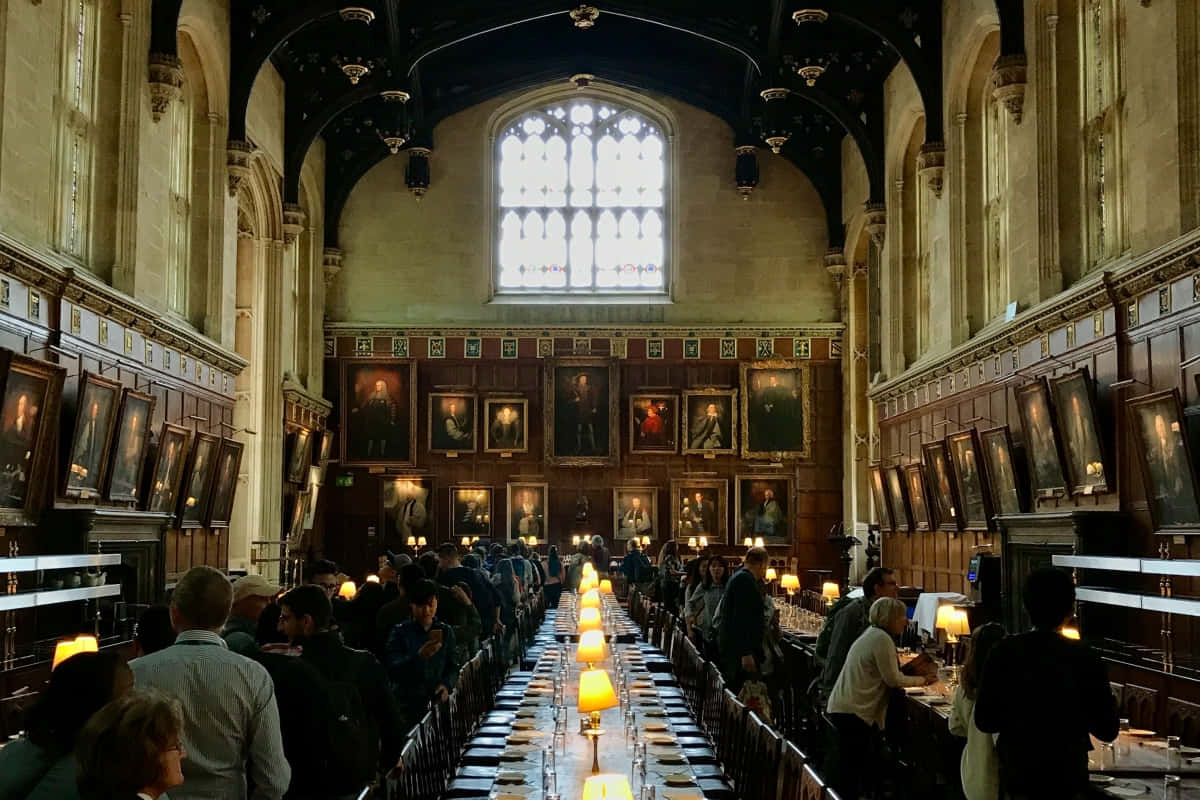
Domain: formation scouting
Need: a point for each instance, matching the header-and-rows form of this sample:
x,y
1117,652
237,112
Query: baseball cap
x,y
254,586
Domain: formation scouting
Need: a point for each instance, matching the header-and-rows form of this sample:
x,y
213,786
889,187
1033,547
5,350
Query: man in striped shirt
x,y
231,721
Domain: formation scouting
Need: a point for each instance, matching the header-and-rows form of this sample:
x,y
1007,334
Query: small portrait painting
x,y
653,423
879,496
451,422
1083,454
1164,456
708,421
581,412
299,455
408,513
914,477
297,512
128,457
32,389
1001,469
527,510
196,492
775,410
1041,443
699,508
378,412
95,417
764,508
941,485
471,511
506,425
326,449
897,490
970,480
229,459
169,462
635,512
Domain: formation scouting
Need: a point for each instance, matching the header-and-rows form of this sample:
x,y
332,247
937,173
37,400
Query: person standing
x,y
742,626
670,570
251,595
849,623
702,607
421,657
231,720
600,556
979,768
1043,695
554,577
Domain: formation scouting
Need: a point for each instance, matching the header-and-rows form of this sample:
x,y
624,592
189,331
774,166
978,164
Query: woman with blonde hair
x,y
132,749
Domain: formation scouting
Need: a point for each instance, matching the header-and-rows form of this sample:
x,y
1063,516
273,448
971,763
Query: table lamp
x,y
595,695
589,620
372,579
412,541
590,599
348,590
1069,633
474,539
589,569
771,574
466,541
607,787
790,583
703,542
830,591
748,542
606,586
586,584
692,542
758,542
420,541
591,648
83,643
645,541
575,541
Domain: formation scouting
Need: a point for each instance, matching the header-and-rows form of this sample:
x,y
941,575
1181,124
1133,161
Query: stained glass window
x,y
582,201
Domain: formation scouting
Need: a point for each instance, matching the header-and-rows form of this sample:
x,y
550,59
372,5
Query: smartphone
x,y
435,636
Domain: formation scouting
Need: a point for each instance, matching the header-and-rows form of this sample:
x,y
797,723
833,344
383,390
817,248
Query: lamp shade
x,y
586,585
412,541
589,569
607,787
703,541
466,541
372,579
830,591
645,541
959,624
575,540
692,542
86,643
420,541
790,582
748,542
771,574
1069,633
944,616
589,620
591,648
348,590
590,599
606,586
66,648
758,541
595,691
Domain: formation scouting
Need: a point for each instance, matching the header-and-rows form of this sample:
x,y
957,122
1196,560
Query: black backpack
x,y
351,741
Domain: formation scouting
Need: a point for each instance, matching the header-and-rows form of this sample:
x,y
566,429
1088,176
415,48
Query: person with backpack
x,y
421,659
361,731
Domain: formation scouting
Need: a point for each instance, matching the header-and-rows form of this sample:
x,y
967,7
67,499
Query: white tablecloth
x,y
925,615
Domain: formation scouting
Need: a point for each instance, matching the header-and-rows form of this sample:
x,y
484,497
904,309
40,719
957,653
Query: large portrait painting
x,y
1001,469
764,508
407,511
451,422
775,410
196,492
897,491
581,412
914,478
527,510
635,512
225,481
970,480
506,420
129,453
96,405
941,485
709,417
169,462
1083,454
28,408
1041,442
700,508
653,423
471,511
883,508
299,456
1156,426
379,417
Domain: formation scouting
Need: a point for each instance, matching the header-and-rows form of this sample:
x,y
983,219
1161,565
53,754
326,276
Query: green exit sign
x,y
344,481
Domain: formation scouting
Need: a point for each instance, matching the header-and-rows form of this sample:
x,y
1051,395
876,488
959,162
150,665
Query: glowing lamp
x,y
412,541
595,695
372,579
466,541
575,541
589,620
590,599
591,648
830,591
771,575
474,539
758,541
953,621
348,590
589,569
84,643
790,583
1069,633
420,541
703,542
607,787
645,541
692,542
606,586
748,542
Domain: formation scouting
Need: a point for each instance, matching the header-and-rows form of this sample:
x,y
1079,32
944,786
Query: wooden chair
x,y
1183,720
811,785
759,782
1140,706
791,772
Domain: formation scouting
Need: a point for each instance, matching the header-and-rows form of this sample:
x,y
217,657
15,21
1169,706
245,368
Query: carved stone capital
x,y
584,17
1008,83
931,162
331,264
876,214
293,222
166,82
237,160
835,264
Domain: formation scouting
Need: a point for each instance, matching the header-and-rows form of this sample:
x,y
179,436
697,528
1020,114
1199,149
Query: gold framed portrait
x,y
581,413
776,409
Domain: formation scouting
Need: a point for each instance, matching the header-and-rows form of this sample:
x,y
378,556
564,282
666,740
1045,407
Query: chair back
x,y
791,772
811,785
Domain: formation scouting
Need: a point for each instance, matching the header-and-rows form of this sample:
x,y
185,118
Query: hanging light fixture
x,y
806,15
416,175
354,68
810,73
775,123
357,14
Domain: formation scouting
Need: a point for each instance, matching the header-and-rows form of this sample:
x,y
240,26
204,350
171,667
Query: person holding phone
x,y
421,660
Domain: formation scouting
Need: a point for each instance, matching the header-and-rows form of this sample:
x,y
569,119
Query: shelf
x,y
11,602
37,563
1189,568
1183,606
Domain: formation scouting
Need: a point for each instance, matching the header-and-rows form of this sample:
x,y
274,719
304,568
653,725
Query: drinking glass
x,y
1174,753
1172,787
1123,746
560,732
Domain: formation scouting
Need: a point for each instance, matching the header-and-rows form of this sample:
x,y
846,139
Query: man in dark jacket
x,y
849,622
1043,694
484,595
421,659
743,620
305,616
397,611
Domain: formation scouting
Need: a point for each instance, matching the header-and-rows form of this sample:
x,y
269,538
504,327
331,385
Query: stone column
x,y
135,38
960,305
896,278
1188,65
1050,281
